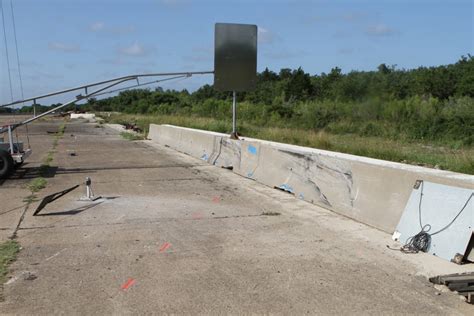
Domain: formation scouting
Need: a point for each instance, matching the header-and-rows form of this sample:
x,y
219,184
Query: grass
x,y
44,168
8,252
401,150
131,137
49,158
61,130
37,184
271,213
30,198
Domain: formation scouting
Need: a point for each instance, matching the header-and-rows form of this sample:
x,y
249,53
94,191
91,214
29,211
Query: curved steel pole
x,y
130,77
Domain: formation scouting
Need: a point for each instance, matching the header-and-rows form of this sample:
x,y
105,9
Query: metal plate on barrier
x,y
235,57
438,205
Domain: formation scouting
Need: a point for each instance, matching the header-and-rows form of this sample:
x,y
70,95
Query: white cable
x,y
17,54
6,50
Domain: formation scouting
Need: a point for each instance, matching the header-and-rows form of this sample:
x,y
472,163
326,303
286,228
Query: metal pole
x,y
130,77
78,98
142,84
10,139
234,114
34,108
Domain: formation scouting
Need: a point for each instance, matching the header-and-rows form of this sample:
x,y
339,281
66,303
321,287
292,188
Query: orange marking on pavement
x,y
128,284
165,246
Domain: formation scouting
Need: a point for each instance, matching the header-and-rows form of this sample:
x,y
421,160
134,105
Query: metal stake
x,y
89,194
10,139
234,116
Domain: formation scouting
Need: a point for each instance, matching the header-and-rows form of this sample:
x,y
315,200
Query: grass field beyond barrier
x,y
422,154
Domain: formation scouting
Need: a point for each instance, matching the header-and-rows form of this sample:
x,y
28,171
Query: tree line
x,y
434,103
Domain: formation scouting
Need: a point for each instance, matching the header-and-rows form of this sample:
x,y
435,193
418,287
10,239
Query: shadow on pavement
x,y
73,211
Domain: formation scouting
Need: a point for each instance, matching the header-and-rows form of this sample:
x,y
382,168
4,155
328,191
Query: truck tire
x,y
6,164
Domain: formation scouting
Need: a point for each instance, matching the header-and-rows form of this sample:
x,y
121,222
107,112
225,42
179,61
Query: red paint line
x,y
165,246
128,284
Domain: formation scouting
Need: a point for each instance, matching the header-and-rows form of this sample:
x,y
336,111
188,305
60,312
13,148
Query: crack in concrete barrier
x,y
307,175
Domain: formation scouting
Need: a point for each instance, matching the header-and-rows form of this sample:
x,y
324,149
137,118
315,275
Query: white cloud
x,y
379,30
135,49
265,36
101,27
63,47
96,26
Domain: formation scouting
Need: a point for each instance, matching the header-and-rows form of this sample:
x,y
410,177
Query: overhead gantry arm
x,y
111,83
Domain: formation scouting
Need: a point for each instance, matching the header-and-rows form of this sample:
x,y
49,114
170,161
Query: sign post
x,y
234,114
235,61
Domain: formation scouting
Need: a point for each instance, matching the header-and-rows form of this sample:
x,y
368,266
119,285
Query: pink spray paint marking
x,y
196,215
216,199
128,284
165,246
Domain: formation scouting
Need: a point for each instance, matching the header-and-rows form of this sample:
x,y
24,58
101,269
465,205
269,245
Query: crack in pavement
x,y
145,221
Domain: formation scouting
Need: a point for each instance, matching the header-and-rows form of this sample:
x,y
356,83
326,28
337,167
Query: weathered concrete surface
x,y
194,240
12,192
371,191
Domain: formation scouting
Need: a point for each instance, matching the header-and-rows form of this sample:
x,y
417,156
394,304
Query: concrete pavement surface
x,y
174,235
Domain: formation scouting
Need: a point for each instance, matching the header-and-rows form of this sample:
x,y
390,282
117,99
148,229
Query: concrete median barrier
x,y
371,191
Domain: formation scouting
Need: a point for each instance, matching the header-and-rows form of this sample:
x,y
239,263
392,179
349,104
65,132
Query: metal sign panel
x,y
235,57
438,205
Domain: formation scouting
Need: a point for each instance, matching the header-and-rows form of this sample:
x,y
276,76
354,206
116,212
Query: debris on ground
x,y
462,283
132,126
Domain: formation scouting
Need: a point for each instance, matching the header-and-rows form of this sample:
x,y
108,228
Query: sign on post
x,y
235,57
235,61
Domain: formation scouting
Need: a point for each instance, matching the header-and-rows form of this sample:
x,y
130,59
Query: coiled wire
x,y
422,240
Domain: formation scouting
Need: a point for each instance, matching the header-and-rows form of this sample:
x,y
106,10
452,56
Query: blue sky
x,y
63,43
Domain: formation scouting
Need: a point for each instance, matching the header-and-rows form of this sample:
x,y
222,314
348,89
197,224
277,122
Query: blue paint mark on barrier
x,y
286,187
205,157
250,174
252,150
301,196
